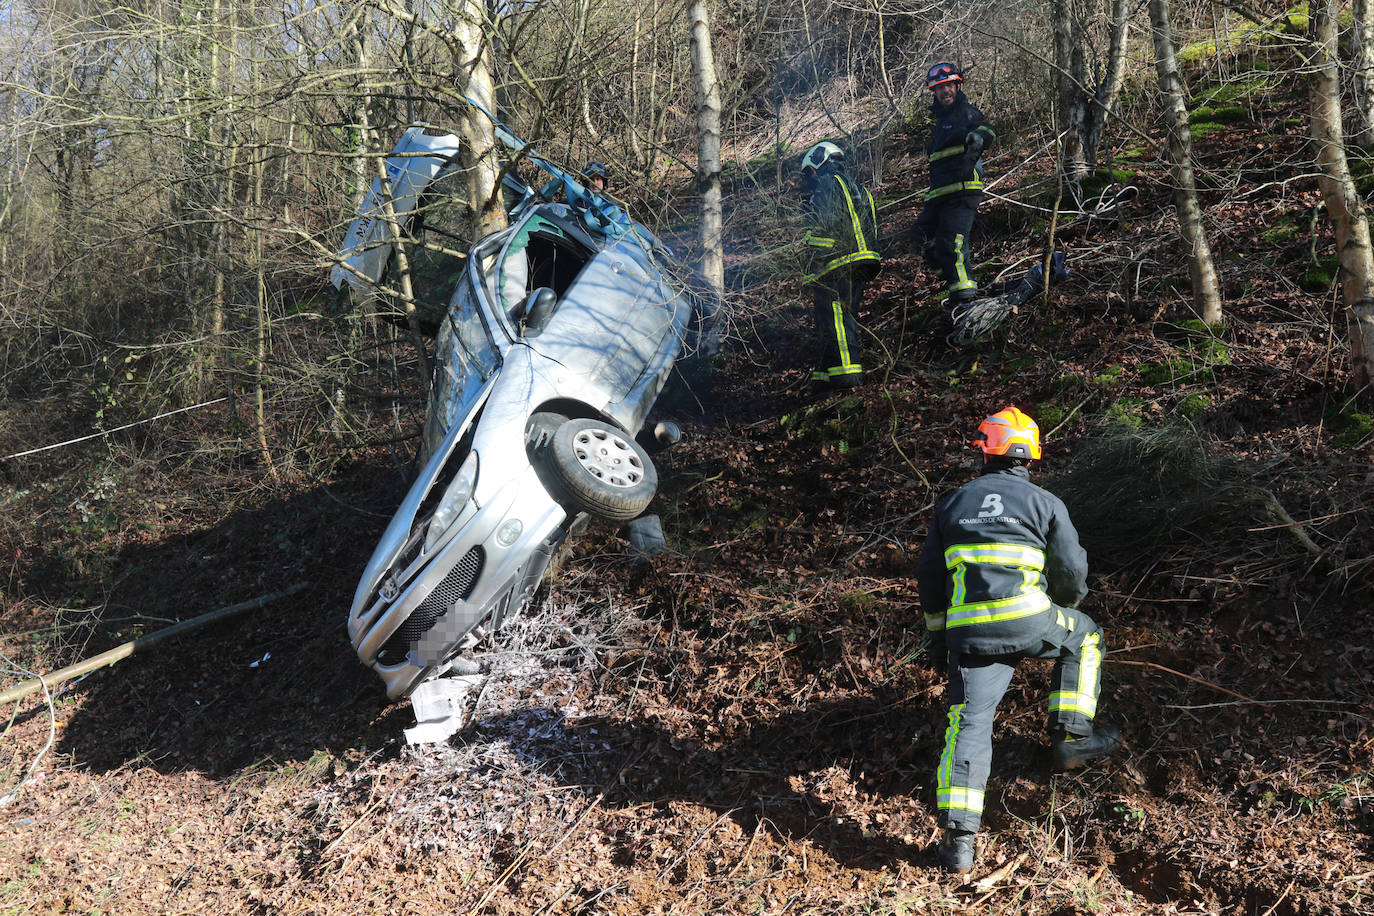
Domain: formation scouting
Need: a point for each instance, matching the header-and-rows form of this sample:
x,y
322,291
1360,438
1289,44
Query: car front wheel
x,y
602,470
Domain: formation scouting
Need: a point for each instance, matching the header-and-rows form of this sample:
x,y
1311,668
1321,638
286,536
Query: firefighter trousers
x,y
976,686
946,224
834,299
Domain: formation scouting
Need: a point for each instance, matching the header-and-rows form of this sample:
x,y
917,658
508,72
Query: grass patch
x,y
1132,485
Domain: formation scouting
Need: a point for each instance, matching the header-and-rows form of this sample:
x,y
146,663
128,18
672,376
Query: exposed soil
x,y
744,725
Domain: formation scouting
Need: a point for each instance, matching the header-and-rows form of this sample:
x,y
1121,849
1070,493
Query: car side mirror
x,y
538,309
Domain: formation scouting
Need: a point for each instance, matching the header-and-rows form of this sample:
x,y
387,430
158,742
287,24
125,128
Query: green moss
x,y
1282,232
1066,382
1194,404
1221,114
1108,377
858,601
1233,90
1200,129
1349,426
1181,282
1320,277
1247,33
1049,415
1127,411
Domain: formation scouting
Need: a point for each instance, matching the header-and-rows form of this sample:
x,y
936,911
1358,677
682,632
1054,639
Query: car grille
x,y
454,587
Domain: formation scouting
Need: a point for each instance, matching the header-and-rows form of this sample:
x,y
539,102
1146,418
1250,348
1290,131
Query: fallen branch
x,y
1195,680
119,653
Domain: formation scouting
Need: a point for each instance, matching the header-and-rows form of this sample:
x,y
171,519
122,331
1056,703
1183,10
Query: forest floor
x,y
745,725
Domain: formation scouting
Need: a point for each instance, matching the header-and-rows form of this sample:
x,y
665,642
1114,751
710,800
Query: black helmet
x,y
943,72
594,170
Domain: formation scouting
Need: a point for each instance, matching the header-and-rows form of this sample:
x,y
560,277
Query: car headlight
x,y
455,498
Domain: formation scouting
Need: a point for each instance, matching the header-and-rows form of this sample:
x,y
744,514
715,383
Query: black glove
x,y
936,652
973,142
917,234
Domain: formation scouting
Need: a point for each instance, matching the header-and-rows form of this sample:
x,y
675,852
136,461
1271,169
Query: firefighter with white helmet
x,y
1000,575
842,230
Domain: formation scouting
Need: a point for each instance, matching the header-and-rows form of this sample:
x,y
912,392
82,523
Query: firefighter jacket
x,y
953,167
1000,555
842,226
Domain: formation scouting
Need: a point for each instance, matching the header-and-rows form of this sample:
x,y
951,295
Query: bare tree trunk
x,y
1085,97
708,147
1343,203
480,156
1109,88
1070,76
1362,66
1206,289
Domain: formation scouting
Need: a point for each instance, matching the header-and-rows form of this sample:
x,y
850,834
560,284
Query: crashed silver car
x,y
558,335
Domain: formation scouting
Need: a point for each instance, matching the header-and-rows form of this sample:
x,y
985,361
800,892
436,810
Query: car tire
x,y
601,470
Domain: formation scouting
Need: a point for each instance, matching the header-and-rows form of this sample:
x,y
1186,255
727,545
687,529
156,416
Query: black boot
x,y
1071,752
956,851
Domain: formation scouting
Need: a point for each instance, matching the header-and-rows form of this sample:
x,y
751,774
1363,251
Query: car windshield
x,y
465,357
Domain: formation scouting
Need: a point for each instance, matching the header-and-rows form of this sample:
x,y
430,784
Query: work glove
x,y
917,234
973,151
936,652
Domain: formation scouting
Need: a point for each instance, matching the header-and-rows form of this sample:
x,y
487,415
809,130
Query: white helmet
x,y
820,154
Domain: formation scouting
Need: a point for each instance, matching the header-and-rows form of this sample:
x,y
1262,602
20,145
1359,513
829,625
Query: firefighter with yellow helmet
x,y
1000,574
842,230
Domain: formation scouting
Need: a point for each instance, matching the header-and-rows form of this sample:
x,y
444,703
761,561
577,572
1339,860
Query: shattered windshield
x,y
465,357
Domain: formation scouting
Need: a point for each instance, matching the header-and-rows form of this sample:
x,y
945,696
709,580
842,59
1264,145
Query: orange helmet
x,y
1009,433
943,72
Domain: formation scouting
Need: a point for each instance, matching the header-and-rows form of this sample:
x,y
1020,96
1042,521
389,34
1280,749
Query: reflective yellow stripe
x,y
1020,556
1083,700
974,184
950,797
841,341
960,590
859,243
960,268
834,263
997,611
818,241
946,153
935,623
958,798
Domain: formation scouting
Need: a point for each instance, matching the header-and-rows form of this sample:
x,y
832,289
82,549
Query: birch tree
x,y
1087,85
1343,203
1206,289
1362,68
708,147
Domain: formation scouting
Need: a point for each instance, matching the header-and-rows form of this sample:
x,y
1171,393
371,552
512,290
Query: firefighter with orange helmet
x,y
1000,574
958,135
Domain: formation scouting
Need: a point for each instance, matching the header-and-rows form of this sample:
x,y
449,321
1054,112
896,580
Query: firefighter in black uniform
x,y
842,228
999,576
958,135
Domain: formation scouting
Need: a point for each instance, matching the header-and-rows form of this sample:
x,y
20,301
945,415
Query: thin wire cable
x,y
45,448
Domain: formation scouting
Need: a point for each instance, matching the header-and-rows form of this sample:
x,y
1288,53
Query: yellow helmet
x,y
1009,433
